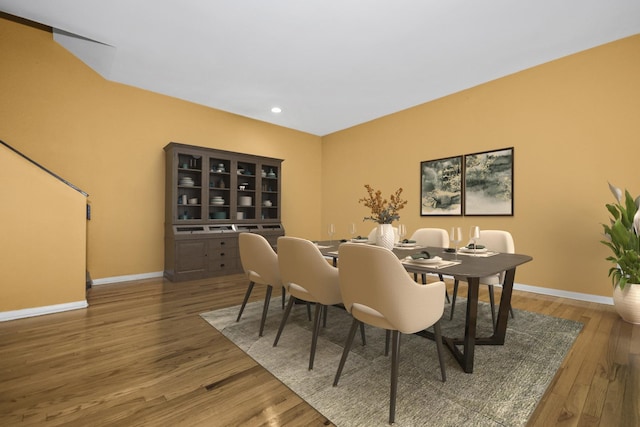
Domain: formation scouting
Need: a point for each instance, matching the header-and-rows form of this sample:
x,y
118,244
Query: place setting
x,y
424,258
473,248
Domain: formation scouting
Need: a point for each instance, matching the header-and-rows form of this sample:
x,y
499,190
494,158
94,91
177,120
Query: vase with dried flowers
x,y
384,212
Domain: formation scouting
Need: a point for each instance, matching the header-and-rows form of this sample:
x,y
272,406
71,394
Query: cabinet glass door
x,y
246,181
219,192
269,192
189,202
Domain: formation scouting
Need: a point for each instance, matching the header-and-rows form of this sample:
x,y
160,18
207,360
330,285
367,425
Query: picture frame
x,y
488,183
441,187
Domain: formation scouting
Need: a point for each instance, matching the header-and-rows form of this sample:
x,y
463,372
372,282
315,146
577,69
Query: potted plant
x,y
384,212
623,238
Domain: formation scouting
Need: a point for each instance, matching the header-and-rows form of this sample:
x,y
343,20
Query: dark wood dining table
x,y
470,269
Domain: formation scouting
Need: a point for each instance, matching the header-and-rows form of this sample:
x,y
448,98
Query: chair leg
x,y
424,279
438,336
364,340
446,294
284,319
395,365
316,331
453,297
284,292
265,309
309,310
324,315
347,348
387,340
244,301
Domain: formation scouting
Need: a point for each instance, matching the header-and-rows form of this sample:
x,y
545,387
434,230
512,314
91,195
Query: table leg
x,y
503,312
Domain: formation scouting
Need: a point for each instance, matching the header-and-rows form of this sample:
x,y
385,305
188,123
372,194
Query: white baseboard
x,y
564,294
127,278
39,311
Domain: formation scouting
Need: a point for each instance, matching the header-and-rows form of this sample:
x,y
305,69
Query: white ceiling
x,y
329,64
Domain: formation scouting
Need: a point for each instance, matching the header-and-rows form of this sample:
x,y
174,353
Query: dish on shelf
x,y
244,201
240,171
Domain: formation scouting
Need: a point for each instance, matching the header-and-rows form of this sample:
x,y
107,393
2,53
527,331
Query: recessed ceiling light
x,y
276,110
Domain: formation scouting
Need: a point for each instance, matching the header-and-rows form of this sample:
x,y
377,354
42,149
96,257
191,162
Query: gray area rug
x,y
504,389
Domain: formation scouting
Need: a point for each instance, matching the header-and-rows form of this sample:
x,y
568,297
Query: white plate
x,y
434,260
407,245
470,251
360,240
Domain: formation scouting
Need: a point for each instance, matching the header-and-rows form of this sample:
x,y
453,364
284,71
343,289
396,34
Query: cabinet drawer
x,y
224,266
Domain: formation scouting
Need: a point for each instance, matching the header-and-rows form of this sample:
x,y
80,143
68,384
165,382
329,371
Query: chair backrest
x,y
377,290
499,241
373,233
437,237
302,264
259,260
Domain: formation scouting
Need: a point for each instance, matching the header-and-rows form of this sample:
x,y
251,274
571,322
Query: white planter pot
x,y
627,302
385,236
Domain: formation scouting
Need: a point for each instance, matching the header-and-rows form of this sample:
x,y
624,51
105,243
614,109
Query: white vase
x,y
385,236
627,302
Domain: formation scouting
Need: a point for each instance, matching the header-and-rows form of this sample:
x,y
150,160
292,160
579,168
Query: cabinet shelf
x,y
206,244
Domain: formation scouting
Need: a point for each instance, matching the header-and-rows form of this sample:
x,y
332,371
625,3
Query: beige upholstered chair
x,y
260,264
434,237
493,240
376,290
307,276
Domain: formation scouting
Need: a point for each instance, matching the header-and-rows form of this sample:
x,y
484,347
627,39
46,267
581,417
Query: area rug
x,y
504,389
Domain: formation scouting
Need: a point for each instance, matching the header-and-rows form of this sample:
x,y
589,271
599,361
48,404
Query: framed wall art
x,y
441,186
488,183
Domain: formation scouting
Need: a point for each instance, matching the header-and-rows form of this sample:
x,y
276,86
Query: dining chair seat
x,y
377,290
260,264
307,276
498,241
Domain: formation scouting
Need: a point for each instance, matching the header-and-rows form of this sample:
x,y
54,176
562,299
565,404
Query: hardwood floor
x,y
141,355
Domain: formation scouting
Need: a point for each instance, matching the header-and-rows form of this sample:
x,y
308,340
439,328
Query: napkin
x,y
421,255
471,246
408,241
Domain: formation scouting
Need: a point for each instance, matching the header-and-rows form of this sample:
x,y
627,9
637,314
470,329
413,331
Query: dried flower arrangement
x,y
383,211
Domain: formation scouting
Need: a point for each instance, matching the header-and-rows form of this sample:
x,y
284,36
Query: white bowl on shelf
x,y
244,201
193,201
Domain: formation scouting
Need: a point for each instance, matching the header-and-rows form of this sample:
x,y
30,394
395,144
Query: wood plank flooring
x,y
141,356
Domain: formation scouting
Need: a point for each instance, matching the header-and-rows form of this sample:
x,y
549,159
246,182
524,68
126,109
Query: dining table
x,y
464,265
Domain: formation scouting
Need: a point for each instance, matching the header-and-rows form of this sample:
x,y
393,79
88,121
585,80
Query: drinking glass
x,y
331,230
402,231
474,235
352,230
456,237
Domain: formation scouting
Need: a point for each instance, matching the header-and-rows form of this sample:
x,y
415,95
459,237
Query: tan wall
x,y
43,243
108,139
574,124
